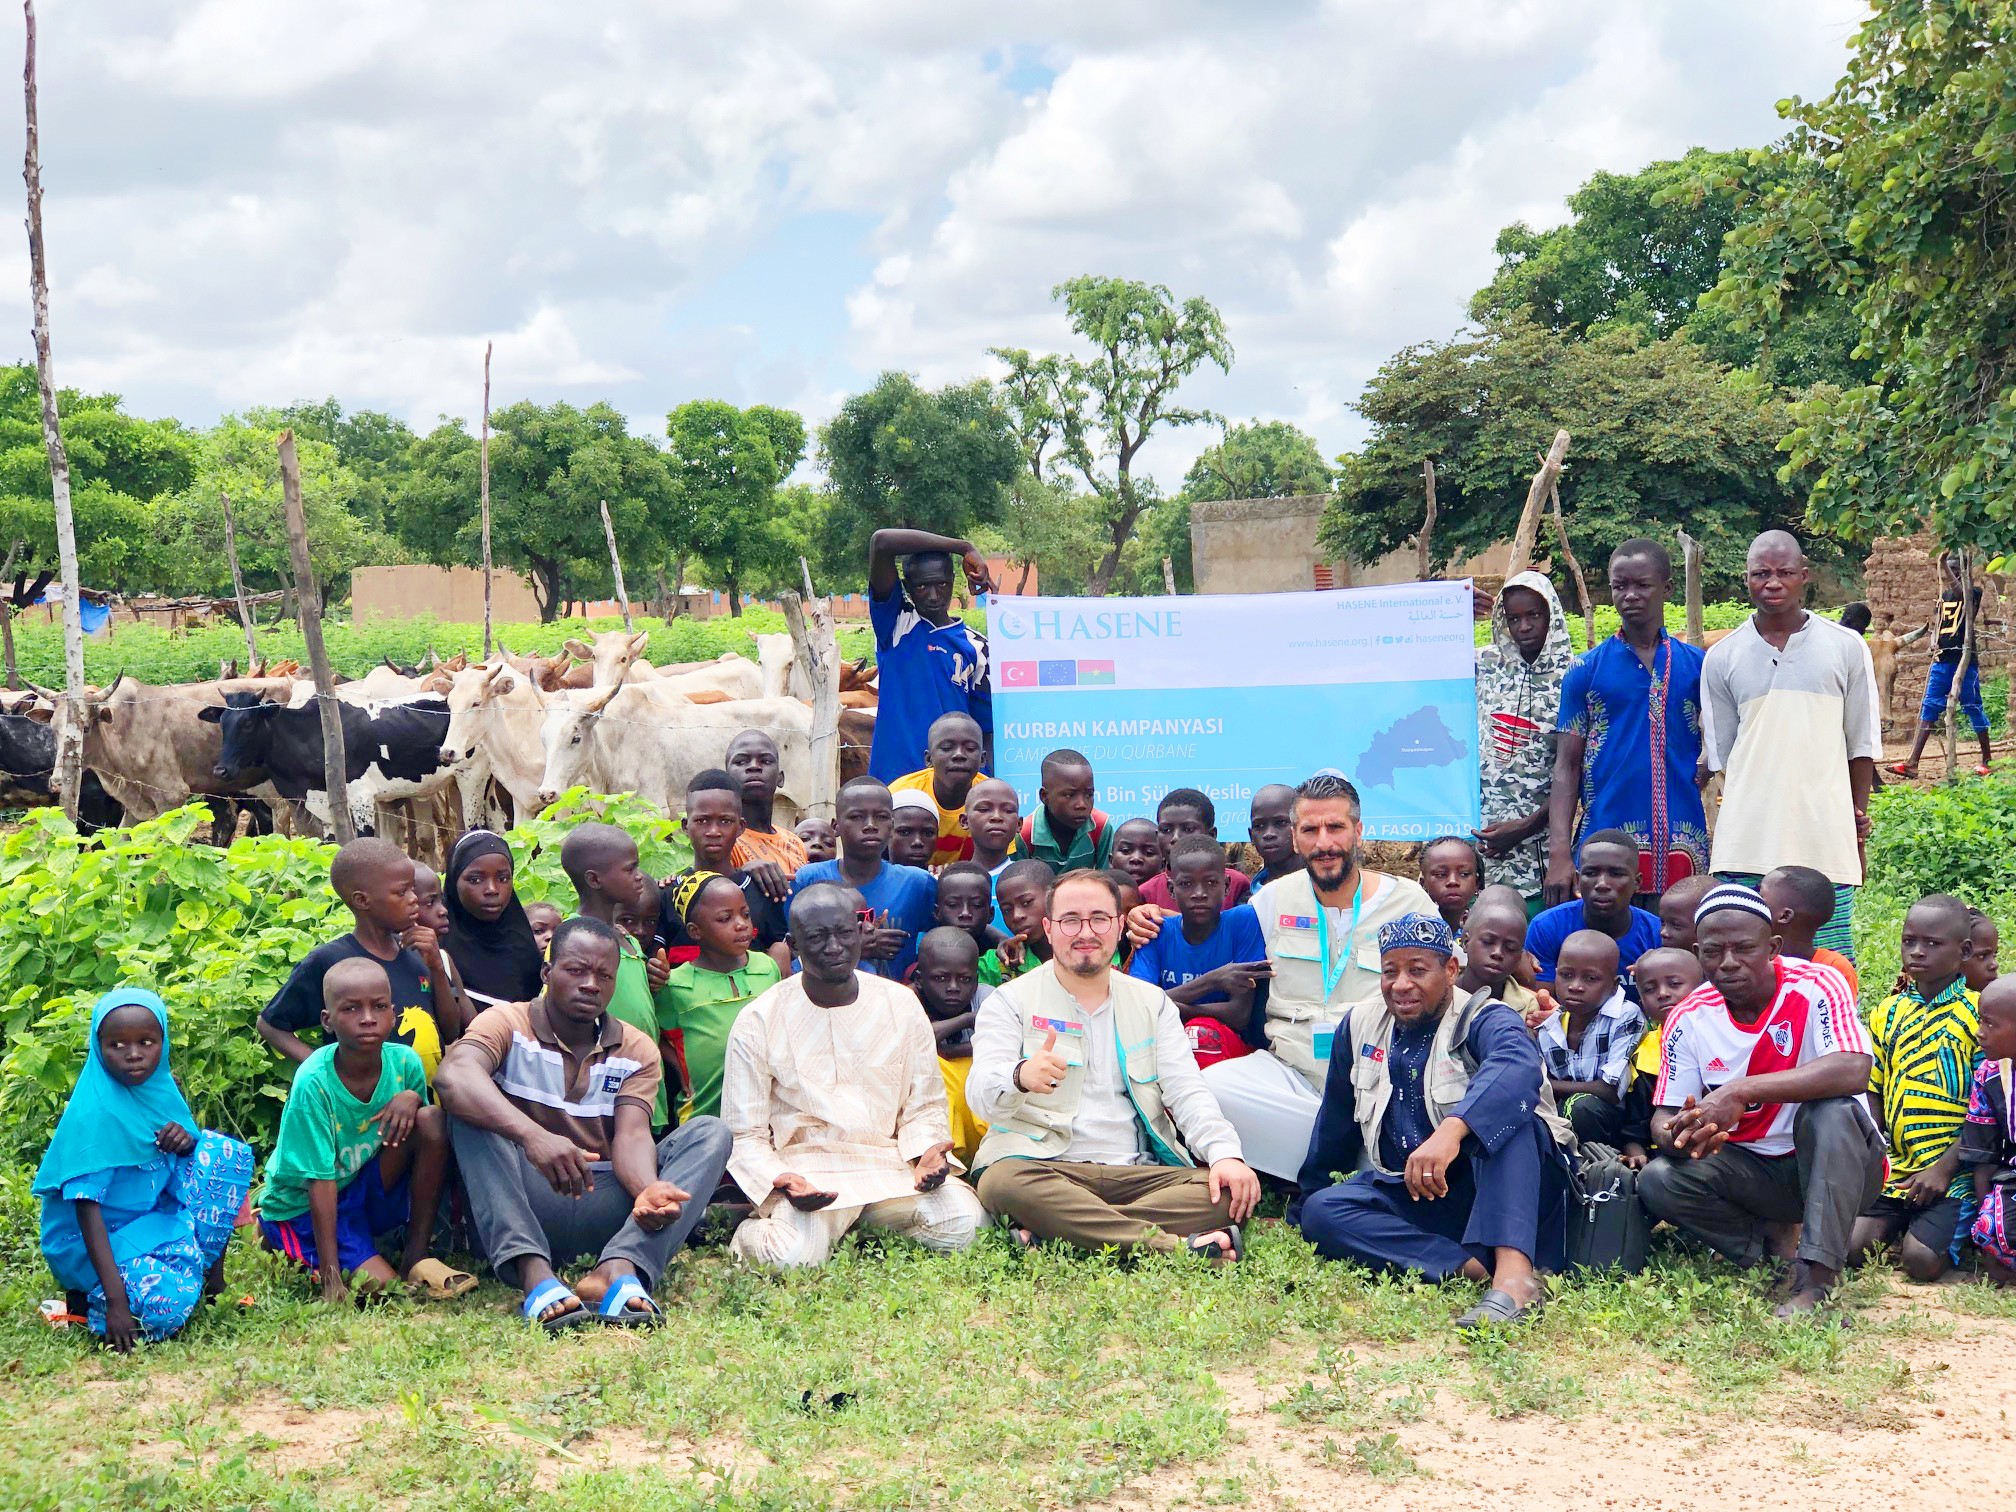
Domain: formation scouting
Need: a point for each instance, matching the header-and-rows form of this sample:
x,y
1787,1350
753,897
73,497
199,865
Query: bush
x,y
156,656
214,931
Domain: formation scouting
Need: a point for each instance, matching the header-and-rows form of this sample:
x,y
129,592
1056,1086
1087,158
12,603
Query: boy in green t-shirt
x,y
703,997
360,1152
1020,892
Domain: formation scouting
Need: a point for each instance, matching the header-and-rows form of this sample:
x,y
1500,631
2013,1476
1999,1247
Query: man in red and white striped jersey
x,y
1760,1115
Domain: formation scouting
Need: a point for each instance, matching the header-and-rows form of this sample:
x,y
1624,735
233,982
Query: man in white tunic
x,y
837,1106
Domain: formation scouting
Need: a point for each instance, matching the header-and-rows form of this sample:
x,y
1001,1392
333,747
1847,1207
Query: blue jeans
x,y
1939,687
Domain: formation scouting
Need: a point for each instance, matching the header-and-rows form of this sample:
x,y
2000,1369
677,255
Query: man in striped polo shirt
x,y
549,1106
1759,1112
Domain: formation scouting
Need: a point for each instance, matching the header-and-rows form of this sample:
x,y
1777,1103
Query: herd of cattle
x,y
437,749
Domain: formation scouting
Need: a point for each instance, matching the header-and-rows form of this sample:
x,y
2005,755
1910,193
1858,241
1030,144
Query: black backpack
x,y
1608,1227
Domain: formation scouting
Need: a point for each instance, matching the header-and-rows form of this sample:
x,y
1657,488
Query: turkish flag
x,y
1018,674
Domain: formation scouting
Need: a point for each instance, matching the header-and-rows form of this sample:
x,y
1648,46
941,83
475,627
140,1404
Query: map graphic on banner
x,y
1229,692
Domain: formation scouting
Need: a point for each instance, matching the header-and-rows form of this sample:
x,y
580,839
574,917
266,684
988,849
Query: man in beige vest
x,y
1437,1151
1097,1116
1321,926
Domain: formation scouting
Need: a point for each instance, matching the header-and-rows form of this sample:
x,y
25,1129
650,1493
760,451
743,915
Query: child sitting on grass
x,y
703,996
1587,1047
1988,1137
947,983
1451,874
138,1202
1664,976
360,1153
1925,1039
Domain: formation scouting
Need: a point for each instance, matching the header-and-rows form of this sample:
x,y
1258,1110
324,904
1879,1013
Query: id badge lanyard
x,y
1332,976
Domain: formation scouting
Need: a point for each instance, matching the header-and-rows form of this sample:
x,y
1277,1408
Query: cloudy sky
x,y
252,202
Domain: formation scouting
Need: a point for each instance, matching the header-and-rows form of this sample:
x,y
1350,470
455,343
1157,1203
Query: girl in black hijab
x,y
489,938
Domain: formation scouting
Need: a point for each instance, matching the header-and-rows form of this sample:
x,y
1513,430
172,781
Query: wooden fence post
x,y
485,487
616,566
1422,543
309,597
1575,568
811,625
238,582
1536,495
1690,576
69,773
7,617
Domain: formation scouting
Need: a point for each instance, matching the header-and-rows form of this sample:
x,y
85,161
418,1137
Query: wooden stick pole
x,y
238,582
616,565
1422,547
69,773
1169,577
485,488
1690,572
811,625
334,759
1575,568
1536,495
7,617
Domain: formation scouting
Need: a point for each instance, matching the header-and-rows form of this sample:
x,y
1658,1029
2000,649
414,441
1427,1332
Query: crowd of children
x,y
138,1201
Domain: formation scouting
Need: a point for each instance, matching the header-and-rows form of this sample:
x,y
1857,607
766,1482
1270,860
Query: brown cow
x,y
153,754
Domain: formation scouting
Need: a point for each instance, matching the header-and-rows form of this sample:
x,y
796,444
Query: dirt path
x,y
1930,1443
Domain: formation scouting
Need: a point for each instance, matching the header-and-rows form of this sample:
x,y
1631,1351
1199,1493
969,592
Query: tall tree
x,y
376,447
725,466
1663,435
1269,459
1640,249
550,468
903,455
1898,200
1105,409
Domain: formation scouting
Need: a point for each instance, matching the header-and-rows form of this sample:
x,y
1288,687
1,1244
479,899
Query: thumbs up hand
x,y
1043,1071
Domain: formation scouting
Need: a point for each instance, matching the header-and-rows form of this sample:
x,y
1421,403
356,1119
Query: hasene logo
x,y
1106,624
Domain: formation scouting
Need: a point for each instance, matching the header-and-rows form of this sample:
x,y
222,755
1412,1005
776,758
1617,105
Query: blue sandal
x,y
616,1308
543,1296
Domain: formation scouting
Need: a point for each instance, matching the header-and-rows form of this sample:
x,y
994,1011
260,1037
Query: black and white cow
x,y
28,761
392,751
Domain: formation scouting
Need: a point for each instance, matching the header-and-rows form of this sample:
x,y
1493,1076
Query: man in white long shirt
x,y
832,1091
1100,1128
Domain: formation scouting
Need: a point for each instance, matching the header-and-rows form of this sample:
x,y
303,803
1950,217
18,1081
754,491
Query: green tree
x,y
901,455
376,447
1662,436
119,463
1898,201
1103,411
550,468
1265,460
725,465
238,455
1640,249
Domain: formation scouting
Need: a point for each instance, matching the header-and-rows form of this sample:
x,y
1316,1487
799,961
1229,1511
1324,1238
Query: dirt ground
x,y
1930,1443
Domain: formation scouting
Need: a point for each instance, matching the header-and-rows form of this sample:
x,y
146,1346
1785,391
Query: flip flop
x,y
543,1296
1216,1251
441,1283
1900,769
617,1311
1496,1309
1983,771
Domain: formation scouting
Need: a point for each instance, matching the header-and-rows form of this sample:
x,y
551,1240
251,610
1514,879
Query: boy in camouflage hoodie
x,y
1519,678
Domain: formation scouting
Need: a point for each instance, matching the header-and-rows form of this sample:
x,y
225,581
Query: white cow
x,y
643,739
732,676
494,713
618,657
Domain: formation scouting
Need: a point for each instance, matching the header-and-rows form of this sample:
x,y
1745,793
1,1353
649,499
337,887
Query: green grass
x,y
994,1379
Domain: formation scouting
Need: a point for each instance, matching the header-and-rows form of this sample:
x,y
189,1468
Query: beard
x,y
1327,873
1085,966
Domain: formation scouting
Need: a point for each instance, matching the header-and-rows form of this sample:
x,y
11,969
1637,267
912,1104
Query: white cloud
x,y
251,203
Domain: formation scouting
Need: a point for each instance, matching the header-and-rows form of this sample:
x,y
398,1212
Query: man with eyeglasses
x,y
1101,1131
1789,716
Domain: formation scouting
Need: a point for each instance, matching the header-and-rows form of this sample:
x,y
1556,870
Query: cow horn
x,y
597,705
578,650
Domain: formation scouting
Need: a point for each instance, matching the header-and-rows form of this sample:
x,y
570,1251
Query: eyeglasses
x,y
1098,923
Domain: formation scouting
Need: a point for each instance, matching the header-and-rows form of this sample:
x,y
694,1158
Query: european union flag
x,y
1057,674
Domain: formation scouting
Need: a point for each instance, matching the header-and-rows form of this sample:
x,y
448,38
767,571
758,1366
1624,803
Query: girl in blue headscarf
x,y
137,1202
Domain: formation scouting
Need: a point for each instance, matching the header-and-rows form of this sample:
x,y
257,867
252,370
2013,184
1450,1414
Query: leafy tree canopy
x,y
725,466
1640,249
904,455
550,468
1897,201
1662,436
1269,459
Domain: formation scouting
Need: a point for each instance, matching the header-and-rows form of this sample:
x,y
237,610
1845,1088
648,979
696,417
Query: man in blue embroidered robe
x,y
1435,1149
